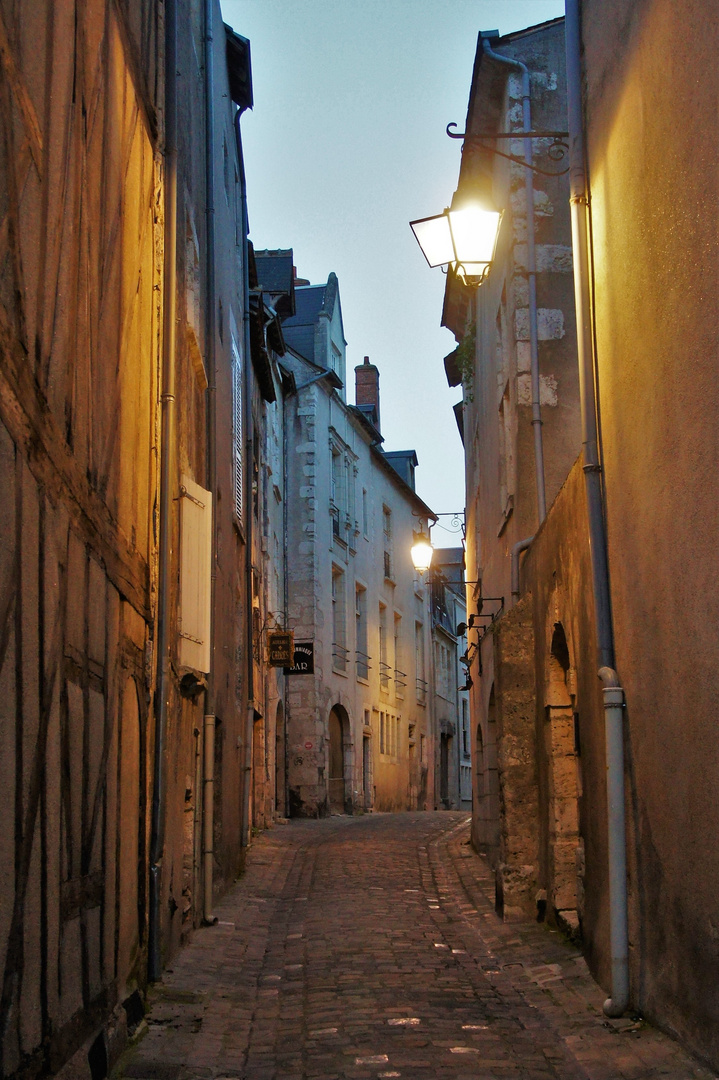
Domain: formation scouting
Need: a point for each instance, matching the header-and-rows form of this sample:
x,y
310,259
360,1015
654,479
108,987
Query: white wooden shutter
x,y
195,575
237,430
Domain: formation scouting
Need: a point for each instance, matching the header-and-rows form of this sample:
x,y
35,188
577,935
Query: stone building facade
x,y
450,701
493,362
359,724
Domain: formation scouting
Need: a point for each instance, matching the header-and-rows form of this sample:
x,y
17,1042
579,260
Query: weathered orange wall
x,y
651,110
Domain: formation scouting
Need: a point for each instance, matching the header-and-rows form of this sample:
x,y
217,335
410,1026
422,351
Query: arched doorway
x,y
338,734
280,800
562,831
445,756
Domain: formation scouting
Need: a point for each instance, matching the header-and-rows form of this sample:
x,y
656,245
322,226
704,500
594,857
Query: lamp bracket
x,y
556,151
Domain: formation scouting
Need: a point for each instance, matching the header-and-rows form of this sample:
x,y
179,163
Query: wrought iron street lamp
x,y
421,551
463,237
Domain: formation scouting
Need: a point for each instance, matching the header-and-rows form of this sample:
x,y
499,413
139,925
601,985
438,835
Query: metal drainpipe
x,y
167,488
249,502
532,279
286,601
208,753
613,694
517,550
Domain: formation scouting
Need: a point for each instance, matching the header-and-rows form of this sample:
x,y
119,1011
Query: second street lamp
x,y
422,551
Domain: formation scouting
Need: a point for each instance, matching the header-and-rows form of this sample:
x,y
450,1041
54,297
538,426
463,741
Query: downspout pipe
x,y
167,489
616,841
286,604
517,550
208,750
617,1004
249,501
517,65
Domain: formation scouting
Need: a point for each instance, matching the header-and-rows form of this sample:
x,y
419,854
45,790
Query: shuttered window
x,y
238,477
195,572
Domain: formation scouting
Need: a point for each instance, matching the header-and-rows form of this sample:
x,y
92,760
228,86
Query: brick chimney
x,y
367,388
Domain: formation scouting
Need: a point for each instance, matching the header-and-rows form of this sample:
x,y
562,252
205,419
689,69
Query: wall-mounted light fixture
x,y
463,237
421,550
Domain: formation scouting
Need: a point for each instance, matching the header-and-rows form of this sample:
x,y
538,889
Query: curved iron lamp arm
x,y
556,151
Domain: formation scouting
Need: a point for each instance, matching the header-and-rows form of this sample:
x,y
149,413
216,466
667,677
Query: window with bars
x,y
400,677
362,657
387,540
339,624
421,682
384,668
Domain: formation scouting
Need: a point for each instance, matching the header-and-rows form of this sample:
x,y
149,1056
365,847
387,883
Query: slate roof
x,y
310,300
274,270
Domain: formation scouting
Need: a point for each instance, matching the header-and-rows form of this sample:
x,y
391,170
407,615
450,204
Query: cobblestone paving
x,y
369,947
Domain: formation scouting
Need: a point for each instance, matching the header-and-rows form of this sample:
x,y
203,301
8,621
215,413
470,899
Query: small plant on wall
x,y
464,357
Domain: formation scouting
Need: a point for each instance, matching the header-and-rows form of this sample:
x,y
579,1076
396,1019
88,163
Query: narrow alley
x,y
369,947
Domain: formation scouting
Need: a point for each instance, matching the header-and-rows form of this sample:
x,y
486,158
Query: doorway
x,y
280,799
367,771
338,726
561,746
444,759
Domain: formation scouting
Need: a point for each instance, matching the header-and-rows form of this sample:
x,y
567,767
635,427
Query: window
x,y
419,663
387,540
195,569
339,629
465,729
399,675
362,659
422,748
193,300
237,456
365,518
384,667
336,491
506,457
389,729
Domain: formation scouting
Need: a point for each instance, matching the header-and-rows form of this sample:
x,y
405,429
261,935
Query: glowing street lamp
x,y
421,551
463,237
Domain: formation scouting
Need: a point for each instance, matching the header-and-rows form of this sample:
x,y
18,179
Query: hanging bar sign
x,y
304,659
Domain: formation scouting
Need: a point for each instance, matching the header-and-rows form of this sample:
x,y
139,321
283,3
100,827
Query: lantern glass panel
x,y
474,232
435,239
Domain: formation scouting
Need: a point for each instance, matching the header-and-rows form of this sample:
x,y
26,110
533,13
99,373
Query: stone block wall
x,y
517,869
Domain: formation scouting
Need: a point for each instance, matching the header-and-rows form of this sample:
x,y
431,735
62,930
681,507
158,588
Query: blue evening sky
x,y
346,143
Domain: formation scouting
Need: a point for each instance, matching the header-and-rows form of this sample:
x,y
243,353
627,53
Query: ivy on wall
x,y
464,358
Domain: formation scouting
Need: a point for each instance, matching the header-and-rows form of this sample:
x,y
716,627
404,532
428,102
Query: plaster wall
x,y
651,102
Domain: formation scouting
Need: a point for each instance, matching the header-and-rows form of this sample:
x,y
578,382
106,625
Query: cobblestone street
x,y
369,947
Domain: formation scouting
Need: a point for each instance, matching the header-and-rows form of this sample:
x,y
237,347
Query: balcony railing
x,y
384,676
421,690
400,682
339,657
362,664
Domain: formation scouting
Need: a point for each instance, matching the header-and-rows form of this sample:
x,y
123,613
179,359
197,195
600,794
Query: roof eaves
x,y
398,482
